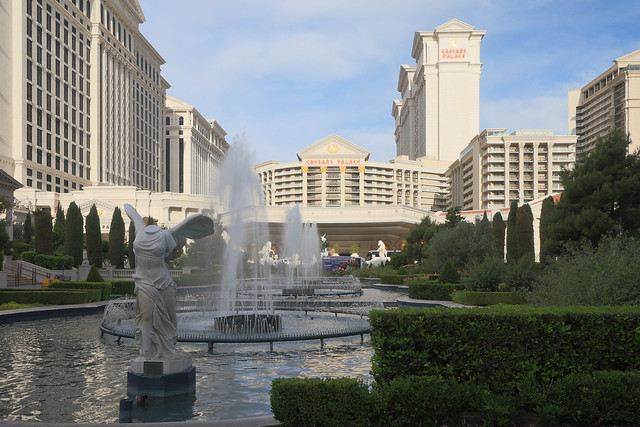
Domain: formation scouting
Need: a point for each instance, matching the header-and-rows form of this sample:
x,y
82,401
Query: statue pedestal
x,y
161,378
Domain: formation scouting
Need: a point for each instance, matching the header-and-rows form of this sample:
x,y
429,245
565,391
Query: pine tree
x,y
130,254
116,239
512,233
524,226
43,232
73,236
499,228
58,230
28,233
93,238
546,211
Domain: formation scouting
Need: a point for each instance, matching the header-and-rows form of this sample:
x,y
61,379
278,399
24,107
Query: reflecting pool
x,y
62,370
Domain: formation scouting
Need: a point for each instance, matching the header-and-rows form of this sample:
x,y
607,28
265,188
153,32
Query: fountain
x,y
263,298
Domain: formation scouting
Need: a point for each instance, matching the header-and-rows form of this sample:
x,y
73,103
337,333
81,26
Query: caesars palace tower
x,y
439,112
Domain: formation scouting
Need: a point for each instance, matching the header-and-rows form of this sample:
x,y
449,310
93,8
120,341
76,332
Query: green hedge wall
x,y
488,298
501,346
320,401
52,262
44,296
420,288
202,278
123,287
104,287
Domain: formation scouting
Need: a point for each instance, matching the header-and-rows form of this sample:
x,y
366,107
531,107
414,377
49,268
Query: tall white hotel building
x,y
83,105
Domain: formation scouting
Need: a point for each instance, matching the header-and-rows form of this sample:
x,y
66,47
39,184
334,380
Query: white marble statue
x,y
325,251
156,325
267,255
382,249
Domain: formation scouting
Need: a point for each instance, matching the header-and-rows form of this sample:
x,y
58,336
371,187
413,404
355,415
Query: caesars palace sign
x,y
328,161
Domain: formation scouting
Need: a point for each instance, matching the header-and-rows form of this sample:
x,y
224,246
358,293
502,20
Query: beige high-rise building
x,y
81,95
497,168
194,147
610,101
439,110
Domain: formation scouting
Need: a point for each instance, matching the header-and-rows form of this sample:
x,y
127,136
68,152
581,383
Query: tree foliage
x,y
116,239
419,237
73,236
524,226
43,232
600,194
58,229
130,254
453,217
28,231
93,238
499,228
512,233
546,211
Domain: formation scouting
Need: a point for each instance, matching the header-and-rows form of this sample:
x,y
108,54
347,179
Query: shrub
x,y
320,401
484,276
488,298
28,256
105,287
429,290
500,346
449,274
199,278
43,296
601,397
123,287
521,275
393,279
94,275
586,275
53,262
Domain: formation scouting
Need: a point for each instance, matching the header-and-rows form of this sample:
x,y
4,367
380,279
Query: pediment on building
x,y
7,181
332,146
101,205
135,6
177,104
455,25
629,57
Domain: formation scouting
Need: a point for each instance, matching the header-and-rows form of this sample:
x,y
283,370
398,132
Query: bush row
x,y
602,397
421,288
123,287
487,298
52,262
500,346
200,278
44,296
394,279
104,287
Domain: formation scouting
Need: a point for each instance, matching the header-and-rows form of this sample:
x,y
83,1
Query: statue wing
x,y
134,216
193,227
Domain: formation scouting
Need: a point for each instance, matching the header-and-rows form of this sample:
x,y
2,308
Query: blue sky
x,y
282,74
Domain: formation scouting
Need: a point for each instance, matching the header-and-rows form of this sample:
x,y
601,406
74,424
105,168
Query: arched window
x,y
181,121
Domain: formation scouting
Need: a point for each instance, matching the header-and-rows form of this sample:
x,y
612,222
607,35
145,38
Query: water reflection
x,y
61,370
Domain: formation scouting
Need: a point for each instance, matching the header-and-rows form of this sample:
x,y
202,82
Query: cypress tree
x,y
93,238
28,233
545,214
58,230
116,239
524,227
131,255
73,236
512,233
499,228
43,232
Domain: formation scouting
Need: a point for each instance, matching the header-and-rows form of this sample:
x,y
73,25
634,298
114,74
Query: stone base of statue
x,y
161,378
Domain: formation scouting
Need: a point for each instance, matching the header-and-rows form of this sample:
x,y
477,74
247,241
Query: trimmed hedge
x,y
320,401
420,288
501,346
602,397
44,296
52,262
202,278
123,287
394,279
104,287
487,298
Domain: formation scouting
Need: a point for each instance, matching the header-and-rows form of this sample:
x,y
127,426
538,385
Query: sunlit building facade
x,y
497,168
610,101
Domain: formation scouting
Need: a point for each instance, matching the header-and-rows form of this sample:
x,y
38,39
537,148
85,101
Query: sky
x,y
283,74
